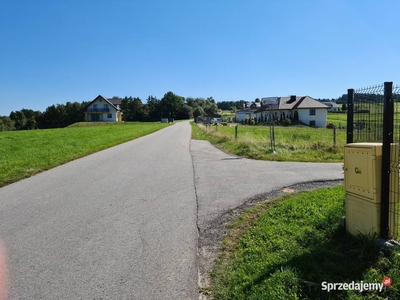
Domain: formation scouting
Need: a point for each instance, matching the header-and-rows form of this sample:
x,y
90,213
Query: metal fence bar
x,y
388,113
350,115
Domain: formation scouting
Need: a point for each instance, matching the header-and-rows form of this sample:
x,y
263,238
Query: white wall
x,y
319,117
241,116
103,116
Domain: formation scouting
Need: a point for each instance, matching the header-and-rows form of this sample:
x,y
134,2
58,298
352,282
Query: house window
x,y
312,112
109,116
312,123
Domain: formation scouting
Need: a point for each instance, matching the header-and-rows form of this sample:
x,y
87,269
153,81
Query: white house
x,y
332,106
245,115
304,109
103,110
248,111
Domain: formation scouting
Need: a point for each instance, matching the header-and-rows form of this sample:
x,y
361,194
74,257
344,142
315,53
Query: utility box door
x,y
363,167
364,216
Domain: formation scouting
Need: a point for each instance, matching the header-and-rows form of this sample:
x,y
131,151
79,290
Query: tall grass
x,y
293,143
25,153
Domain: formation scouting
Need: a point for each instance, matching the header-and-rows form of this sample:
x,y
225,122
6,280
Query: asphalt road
x,y
124,223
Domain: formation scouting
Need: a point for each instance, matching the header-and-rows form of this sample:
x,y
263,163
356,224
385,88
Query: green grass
x,y
339,119
292,143
25,153
285,249
90,124
227,114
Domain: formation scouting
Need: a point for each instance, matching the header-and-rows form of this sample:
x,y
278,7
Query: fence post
x,y
388,115
236,131
350,115
334,136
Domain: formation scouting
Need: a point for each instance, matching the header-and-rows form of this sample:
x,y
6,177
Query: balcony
x,y
98,110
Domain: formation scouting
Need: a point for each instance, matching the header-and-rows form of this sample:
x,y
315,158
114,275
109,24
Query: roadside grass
x,y
28,152
292,143
286,248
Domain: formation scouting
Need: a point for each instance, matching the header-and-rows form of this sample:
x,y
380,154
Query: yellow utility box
x,y
362,177
363,167
364,216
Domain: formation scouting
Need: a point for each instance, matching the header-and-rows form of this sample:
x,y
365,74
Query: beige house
x,y
304,109
102,109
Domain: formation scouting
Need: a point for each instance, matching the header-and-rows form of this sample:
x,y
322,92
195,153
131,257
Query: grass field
x,y
227,114
293,143
339,119
286,248
25,153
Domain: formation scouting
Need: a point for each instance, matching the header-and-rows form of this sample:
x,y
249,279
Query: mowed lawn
x,y
25,153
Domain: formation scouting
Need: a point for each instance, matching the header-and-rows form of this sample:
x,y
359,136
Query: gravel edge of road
x,y
211,237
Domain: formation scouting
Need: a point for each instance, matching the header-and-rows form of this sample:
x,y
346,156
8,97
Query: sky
x,y
55,51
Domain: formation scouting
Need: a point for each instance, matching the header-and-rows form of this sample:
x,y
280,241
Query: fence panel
x,y
367,122
394,196
368,114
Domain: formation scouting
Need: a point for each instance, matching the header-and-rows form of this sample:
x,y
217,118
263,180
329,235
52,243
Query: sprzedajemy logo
x,y
356,286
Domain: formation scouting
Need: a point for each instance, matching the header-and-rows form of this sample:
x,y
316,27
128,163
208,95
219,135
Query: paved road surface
x,y
123,223
224,181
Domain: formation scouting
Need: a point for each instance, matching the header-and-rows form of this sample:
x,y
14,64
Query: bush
x,y
330,126
287,122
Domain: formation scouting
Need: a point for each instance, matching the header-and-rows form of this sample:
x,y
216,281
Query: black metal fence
x,y
373,116
367,114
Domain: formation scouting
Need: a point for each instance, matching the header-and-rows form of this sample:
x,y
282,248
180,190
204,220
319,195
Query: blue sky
x,y
73,50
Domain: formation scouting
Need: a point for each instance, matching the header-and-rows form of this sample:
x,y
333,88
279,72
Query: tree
x,y
184,112
210,108
198,111
54,116
24,119
6,124
74,112
133,109
19,119
257,100
344,106
170,105
190,101
153,108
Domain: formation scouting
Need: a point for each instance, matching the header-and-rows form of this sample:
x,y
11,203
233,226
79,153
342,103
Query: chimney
x,y
293,98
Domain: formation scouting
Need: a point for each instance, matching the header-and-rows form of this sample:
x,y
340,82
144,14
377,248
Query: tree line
x,y
133,109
